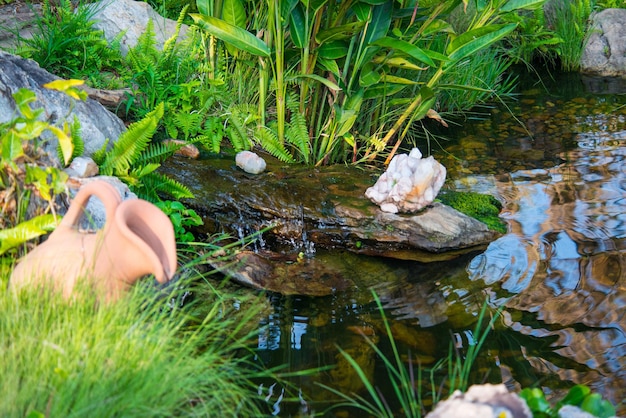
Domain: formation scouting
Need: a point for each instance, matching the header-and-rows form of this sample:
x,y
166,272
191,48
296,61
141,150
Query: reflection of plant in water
x,y
406,382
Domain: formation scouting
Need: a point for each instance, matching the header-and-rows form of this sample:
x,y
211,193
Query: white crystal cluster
x,y
410,183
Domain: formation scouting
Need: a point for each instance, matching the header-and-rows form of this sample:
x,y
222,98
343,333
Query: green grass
x,y
143,356
406,380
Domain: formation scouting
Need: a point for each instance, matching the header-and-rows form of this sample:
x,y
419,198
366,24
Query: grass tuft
x,y
144,356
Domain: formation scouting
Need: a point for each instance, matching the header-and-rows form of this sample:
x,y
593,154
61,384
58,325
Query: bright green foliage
x,y
65,43
579,395
483,207
148,355
570,18
20,138
363,71
134,160
182,218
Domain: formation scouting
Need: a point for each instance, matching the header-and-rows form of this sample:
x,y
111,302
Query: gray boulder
x,y
605,51
131,18
96,122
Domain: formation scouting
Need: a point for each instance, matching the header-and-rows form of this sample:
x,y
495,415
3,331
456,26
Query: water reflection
x,y
560,271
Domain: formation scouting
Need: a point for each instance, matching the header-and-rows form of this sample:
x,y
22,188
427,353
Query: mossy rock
x,y
483,207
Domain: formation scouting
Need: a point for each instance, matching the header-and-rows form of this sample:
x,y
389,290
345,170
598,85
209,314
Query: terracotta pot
x,y
137,239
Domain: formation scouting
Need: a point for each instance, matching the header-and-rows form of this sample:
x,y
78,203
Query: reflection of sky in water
x,y
565,258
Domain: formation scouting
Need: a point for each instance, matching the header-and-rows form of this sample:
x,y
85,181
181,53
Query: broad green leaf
x,y
205,7
397,62
361,11
328,65
347,114
406,48
388,78
339,32
298,26
368,77
598,407
27,230
333,50
286,6
472,41
234,13
23,98
31,129
575,395
65,142
522,4
238,37
379,25
11,147
324,81
535,399
382,90
437,26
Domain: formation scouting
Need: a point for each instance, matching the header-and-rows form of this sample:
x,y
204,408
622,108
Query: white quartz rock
x,y
410,183
250,162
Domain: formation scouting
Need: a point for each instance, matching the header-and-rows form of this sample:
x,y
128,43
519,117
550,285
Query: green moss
x,y
483,207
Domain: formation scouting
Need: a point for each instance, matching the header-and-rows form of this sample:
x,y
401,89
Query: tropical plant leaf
x,y
27,230
521,4
298,26
474,40
236,36
406,48
234,13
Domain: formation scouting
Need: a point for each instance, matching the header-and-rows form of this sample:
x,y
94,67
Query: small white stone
x,y
250,162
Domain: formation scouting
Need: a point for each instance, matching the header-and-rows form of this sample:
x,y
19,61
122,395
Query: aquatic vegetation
x,y
485,208
406,381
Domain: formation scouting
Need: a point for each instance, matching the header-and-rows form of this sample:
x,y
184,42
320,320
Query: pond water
x,y
559,167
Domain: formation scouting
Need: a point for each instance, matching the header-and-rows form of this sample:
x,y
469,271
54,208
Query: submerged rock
x,y
301,209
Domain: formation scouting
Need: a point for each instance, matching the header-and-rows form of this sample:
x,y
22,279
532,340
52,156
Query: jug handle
x,y
101,189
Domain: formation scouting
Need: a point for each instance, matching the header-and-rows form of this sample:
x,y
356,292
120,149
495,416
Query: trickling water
x,y
559,272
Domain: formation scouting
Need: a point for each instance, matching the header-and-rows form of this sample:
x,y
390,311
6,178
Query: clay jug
x,y
137,239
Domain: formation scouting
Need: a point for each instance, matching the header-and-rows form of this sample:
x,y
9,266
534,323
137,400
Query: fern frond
x,y
168,46
270,143
189,123
237,131
297,132
99,156
131,144
157,153
154,184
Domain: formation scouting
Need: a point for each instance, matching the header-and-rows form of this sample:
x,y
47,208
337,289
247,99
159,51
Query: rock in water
x,y
250,162
410,183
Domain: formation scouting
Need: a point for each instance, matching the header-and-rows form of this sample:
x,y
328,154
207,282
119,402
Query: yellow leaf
x,y
65,142
63,85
